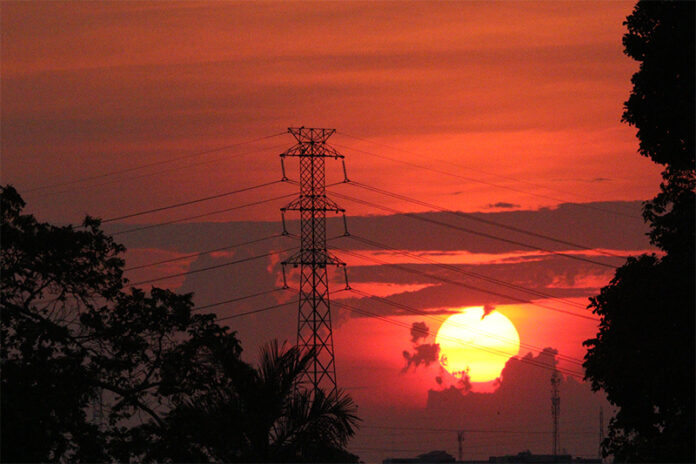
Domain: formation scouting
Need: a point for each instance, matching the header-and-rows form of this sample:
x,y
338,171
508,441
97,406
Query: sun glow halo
x,y
475,344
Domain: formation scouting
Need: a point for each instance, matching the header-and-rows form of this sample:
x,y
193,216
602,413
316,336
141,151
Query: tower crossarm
x,y
311,135
303,149
313,203
310,257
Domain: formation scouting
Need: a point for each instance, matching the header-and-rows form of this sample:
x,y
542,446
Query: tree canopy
x,y
661,106
643,354
92,370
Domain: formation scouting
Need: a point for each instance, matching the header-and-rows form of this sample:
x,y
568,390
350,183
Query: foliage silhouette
x,y
643,355
259,416
73,336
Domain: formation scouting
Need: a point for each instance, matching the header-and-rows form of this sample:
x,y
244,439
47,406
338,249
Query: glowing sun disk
x,y
477,345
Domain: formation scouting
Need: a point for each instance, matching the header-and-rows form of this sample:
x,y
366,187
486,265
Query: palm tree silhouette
x,y
260,415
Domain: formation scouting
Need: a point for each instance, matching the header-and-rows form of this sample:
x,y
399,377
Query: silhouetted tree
x,y
74,336
258,415
643,355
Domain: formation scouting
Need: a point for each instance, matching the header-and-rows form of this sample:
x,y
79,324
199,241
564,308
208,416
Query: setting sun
x,y
478,345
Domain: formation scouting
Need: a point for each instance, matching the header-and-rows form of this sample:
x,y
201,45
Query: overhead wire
x,y
470,231
440,320
198,216
238,299
209,268
190,202
189,167
469,216
201,253
473,217
469,179
459,270
524,360
411,309
261,310
155,163
458,340
255,311
464,285
470,430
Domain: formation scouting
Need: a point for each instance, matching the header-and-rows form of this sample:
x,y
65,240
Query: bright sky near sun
x,y
507,110
477,344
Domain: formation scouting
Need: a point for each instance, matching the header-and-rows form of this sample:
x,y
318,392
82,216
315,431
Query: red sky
x,y
509,110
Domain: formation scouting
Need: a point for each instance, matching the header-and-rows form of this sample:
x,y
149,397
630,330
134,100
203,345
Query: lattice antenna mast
x,y
314,334
460,443
555,410
601,434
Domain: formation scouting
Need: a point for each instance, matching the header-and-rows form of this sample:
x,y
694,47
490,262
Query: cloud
x,y
551,274
516,416
487,309
503,204
419,330
522,398
424,354
584,223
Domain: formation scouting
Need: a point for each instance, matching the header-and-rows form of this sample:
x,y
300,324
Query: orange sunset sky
x,y
507,111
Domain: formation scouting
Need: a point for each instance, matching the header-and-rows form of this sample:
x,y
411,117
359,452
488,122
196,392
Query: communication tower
x,y
460,442
601,433
555,410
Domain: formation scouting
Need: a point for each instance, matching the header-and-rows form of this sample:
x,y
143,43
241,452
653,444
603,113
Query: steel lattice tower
x,y
555,410
314,317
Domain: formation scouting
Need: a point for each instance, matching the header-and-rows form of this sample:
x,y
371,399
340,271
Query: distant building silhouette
x,y
525,457
432,456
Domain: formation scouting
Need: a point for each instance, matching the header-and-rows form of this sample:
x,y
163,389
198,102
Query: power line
x,y
450,267
217,266
198,216
478,181
147,165
201,253
425,332
267,308
445,429
241,298
524,360
470,231
190,202
159,172
482,220
425,314
462,284
439,320
565,371
256,311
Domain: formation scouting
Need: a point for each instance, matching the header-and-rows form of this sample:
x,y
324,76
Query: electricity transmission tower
x,y
555,410
314,333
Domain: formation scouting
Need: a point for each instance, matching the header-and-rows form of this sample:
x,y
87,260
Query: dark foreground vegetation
x,y
94,371
643,355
